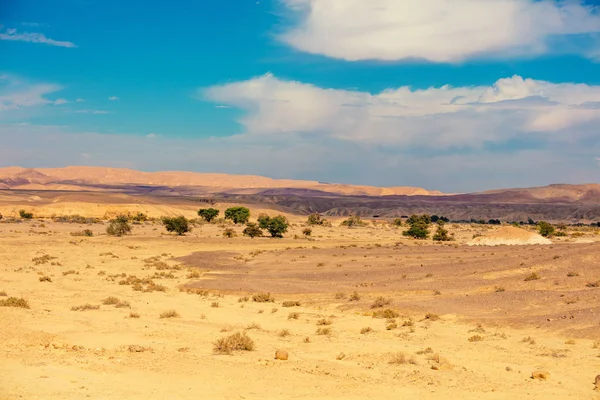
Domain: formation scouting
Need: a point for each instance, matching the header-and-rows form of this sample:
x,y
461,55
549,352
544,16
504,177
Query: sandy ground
x,y
469,307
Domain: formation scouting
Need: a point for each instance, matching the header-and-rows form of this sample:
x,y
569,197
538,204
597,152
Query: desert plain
x,y
362,312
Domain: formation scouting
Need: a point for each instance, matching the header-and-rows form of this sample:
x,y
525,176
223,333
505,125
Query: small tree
x,y
179,225
208,213
353,220
229,233
119,226
253,230
276,226
25,215
419,226
546,229
441,234
315,219
239,215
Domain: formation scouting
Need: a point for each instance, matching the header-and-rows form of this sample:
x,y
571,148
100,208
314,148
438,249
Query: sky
x,y
462,95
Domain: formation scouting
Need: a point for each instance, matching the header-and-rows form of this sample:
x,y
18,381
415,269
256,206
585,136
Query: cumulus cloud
x,y
17,94
13,35
440,30
443,117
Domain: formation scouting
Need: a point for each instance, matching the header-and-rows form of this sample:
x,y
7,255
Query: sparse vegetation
x,y
307,231
534,276
291,303
380,302
119,226
169,314
180,225
340,295
263,298
45,279
354,297
284,333
14,302
85,307
235,342
401,359
110,301
252,230
388,313
324,321
353,221
239,215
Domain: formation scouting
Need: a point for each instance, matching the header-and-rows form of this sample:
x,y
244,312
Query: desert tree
x,y
208,214
441,234
252,230
546,229
179,225
276,226
315,219
239,215
419,226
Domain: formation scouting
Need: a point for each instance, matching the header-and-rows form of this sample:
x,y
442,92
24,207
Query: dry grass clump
x,y
145,285
572,274
324,321
243,299
253,325
380,302
70,272
528,340
45,279
193,274
366,330
290,303
432,317
215,304
293,315
388,313
169,314
340,295
263,298
354,297
123,304
476,338
14,302
134,315
85,307
237,341
533,277
594,284
45,259
428,350
499,289
284,333
3,293
401,359
110,301
324,331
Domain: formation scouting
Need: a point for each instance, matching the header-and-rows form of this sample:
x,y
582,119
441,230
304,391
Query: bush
x,y
252,229
25,215
229,233
239,215
397,222
419,226
315,219
263,298
276,226
139,217
179,225
119,226
307,231
237,341
208,213
441,234
353,220
14,302
546,229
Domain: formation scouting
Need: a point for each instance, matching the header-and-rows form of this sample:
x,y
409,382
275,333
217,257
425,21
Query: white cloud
x,y
13,35
439,30
444,117
92,112
17,94
79,100
151,135
59,102
113,98
222,106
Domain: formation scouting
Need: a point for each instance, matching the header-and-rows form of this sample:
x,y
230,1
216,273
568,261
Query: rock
x,y
281,355
540,375
597,382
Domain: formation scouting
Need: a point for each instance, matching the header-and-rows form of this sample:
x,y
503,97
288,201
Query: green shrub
x,y
208,214
546,229
441,234
276,226
353,221
252,230
315,219
179,225
119,226
419,226
239,215
25,215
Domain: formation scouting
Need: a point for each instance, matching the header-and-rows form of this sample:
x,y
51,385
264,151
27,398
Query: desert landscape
x,y
332,310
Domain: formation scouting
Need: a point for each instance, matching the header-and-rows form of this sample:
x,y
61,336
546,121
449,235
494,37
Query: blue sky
x,y
479,95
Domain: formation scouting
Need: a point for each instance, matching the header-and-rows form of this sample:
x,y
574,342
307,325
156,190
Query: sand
x,y
460,334
510,236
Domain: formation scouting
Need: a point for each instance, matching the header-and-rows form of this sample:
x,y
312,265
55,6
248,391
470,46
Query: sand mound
x,y
509,235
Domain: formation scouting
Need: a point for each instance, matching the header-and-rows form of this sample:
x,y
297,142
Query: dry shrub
x,y
70,272
391,325
593,284
253,325
340,356
387,314
528,340
284,333
368,329
169,314
215,304
533,277
85,307
293,315
193,274
123,304
110,301
401,359
290,304
432,317
237,341
263,298
45,279
306,340
340,295
499,289
428,350
380,302
572,274
354,297
324,331
14,302
476,338
324,321
243,299
3,293
134,315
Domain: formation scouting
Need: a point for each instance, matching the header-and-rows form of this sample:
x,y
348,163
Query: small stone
x,y
281,355
540,375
